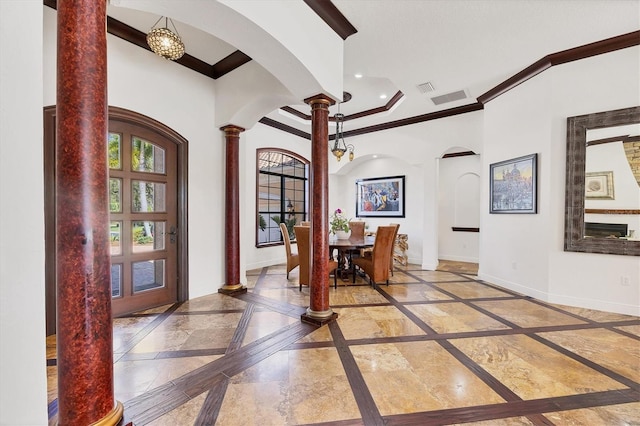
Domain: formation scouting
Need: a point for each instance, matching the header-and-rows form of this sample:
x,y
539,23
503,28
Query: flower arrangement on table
x,y
339,222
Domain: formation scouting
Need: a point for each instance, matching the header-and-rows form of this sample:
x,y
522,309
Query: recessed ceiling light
x,y
358,75
375,156
383,96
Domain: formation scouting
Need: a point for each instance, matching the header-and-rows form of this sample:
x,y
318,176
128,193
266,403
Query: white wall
x,y
525,252
459,205
23,377
513,246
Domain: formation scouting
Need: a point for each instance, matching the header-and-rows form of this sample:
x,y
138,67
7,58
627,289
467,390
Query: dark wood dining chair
x,y
293,259
304,251
376,266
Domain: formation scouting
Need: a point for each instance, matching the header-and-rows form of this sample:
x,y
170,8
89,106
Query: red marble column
x,y
232,209
319,311
84,329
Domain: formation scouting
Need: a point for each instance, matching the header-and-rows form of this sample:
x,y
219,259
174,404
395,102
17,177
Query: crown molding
x,y
330,14
562,57
285,128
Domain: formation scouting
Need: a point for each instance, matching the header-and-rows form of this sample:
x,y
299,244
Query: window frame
x,y
283,211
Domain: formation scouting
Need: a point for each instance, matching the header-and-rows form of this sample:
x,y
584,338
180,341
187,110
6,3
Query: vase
x,y
343,235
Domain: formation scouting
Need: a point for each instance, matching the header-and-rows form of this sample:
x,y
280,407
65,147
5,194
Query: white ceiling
x,y
469,45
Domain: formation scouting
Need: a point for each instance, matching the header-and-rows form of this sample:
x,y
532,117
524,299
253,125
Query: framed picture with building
x,y
513,185
380,197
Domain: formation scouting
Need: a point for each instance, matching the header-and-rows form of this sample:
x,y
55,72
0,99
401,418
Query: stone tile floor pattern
x,y
433,347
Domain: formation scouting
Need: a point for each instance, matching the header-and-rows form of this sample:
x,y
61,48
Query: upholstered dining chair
x,y
357,231
367,251
293,259
357,228
376,266
304,251
393,246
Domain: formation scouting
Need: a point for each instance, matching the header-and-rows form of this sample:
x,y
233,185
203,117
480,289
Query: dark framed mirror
x,y
600,159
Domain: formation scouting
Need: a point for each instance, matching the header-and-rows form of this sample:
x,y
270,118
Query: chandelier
x,y
339,146
164,42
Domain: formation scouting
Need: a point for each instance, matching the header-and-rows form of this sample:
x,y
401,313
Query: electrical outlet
x,y
514,265
624,280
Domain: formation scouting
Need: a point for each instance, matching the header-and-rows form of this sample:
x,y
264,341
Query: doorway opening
x,y
148,205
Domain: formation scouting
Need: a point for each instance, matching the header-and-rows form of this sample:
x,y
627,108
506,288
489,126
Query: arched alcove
x,y
459,205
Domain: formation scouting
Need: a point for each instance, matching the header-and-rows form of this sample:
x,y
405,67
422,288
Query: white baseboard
x,y
527,291
459,258
429,266
262,264
598,305
580,302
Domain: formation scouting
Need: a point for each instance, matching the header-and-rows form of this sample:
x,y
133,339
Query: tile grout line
x,y
496,385
137,338
513,409
203,378
594,324
502,390
587,362
134,340
210,409
219,379
368,409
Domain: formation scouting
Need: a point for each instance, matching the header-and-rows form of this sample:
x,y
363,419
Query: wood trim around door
x,y
127,116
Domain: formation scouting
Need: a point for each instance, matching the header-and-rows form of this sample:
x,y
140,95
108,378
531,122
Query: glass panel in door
x,y
143,205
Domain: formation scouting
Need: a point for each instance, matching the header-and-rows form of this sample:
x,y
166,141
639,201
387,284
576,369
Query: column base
x,y
232,289
113,417
318,318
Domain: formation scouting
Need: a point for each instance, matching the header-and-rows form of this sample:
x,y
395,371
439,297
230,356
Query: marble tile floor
x,y
432,348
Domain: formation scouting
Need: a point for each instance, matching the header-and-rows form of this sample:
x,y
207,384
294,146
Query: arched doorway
x,y
148,204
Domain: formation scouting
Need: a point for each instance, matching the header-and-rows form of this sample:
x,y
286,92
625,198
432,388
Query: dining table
x,y
344,246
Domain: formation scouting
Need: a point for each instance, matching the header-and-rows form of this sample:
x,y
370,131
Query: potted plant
x,y
339,225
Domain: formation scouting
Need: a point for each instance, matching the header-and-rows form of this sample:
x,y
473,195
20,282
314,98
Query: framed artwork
x,y
380,197
513,185
598,186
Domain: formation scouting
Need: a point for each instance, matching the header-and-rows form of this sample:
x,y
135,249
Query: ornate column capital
x,y
319,101
232,130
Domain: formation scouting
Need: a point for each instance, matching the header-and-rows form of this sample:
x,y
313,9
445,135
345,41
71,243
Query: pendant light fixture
x,y
164,42
339,146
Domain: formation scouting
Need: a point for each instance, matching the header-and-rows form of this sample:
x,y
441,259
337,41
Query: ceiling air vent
x,y
449,97
426,87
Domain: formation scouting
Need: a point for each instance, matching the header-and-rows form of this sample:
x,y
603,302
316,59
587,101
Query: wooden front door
x,y
147,199
143,218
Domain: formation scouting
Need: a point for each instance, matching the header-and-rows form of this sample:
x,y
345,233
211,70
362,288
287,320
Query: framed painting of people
x,y
380,197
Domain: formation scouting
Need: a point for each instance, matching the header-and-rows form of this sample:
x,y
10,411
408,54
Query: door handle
x,y
172,234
